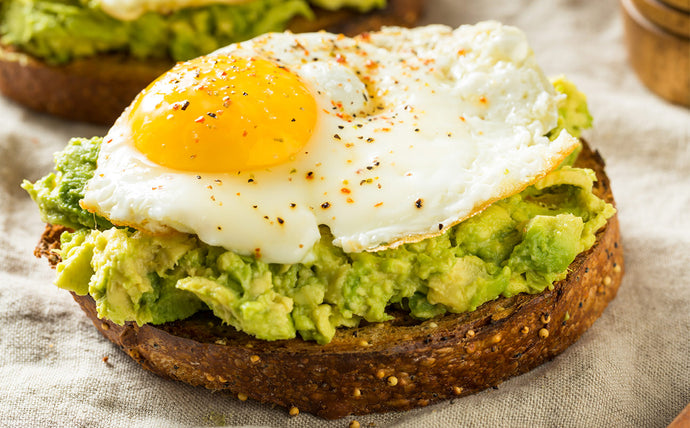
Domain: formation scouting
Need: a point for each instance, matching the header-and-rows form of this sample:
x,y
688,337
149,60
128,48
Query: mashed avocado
x,y
521,244
61,30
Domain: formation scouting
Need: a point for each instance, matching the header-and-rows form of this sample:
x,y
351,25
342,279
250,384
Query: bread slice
x,y
97,89
395,365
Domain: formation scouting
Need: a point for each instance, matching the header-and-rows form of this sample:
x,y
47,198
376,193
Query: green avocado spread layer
x,y
521,244
59,31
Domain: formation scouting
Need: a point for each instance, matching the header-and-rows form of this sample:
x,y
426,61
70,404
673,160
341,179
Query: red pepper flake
x,y
257,253
340,59
379,204
345,190
349,200
199,119
462,52
482,99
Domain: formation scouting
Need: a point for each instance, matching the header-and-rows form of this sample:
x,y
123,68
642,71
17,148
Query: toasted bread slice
x,y
98,89
395,365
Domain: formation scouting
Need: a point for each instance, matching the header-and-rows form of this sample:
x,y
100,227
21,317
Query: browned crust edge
x,y
97,89
390,366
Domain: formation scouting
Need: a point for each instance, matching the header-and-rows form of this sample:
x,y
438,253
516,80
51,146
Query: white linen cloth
x,y
632,368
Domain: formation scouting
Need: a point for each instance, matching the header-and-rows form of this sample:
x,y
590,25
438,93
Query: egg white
x,y
417,130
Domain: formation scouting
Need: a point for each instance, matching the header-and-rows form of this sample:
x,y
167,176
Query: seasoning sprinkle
x,y
418,203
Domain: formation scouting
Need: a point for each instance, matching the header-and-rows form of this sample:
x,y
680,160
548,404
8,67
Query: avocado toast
x,y
505,281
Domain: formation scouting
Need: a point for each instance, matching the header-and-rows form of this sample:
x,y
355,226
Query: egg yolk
x,y
222,114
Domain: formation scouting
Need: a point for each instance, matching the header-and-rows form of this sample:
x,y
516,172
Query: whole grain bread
x,y
395,365
97,89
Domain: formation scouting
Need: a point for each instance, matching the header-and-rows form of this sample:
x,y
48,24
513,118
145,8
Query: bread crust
x,y
390,366
97,89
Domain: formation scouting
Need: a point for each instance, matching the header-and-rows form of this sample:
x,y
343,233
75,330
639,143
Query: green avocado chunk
x,y
59,31
521,244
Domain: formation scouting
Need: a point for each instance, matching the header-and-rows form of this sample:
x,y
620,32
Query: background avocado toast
x,y
76,62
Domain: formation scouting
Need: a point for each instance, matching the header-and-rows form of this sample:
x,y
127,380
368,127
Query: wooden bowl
x,y
658,40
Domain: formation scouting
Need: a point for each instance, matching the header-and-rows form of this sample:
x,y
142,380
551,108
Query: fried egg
x,y
386,138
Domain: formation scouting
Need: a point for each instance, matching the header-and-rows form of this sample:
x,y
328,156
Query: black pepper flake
x,y
280,220
251,180
293,205
336,136
310,175
416,130
245,94
293,120
418,203
213,115
369,140
255,206
440,226
185,105
198,177
219,228
325,205
341,127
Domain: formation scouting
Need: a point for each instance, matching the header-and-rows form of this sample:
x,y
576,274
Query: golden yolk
x,y
223,114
